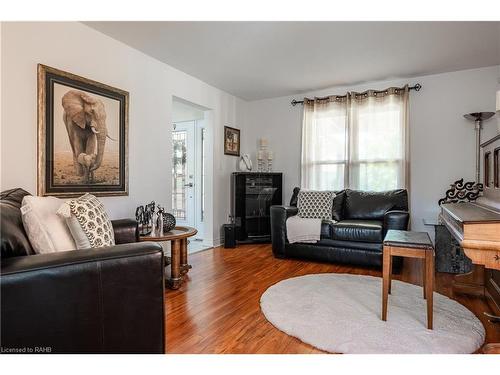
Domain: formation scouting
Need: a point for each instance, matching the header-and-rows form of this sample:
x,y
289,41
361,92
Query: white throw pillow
x,y
88,222
47,231
315,204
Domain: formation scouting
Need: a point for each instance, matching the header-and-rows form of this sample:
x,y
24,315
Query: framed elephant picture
x,y
82,136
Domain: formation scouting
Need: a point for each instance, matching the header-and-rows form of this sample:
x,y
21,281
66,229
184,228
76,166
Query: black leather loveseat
x,y
362,220
105,300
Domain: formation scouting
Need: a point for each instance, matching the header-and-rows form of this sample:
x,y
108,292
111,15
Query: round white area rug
x,y
340,313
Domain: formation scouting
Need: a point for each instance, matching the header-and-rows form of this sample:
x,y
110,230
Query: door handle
x,y
189,185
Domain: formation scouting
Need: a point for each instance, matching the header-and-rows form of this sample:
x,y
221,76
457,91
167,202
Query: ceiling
x,y
256,60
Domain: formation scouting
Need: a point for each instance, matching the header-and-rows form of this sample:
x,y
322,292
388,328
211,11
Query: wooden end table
x,y
413,245
178,260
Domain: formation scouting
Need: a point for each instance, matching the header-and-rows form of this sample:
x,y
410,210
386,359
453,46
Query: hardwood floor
x,y
217,308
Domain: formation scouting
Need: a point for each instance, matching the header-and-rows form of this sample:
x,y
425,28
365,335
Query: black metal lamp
x,y
478,118
461,191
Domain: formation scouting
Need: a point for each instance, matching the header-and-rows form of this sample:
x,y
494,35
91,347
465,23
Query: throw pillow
x,y
88,222
338,205
338,202
47,231
315,204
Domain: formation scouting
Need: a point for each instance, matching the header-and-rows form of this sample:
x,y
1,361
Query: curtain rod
x,y
294,102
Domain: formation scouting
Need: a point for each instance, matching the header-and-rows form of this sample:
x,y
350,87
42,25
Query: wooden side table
x,y
412,245
178,261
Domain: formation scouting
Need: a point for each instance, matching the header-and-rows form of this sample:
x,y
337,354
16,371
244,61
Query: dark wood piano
x,y
476,226
477,229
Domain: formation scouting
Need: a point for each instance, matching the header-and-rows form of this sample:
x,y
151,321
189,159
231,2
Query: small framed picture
x,y
82,136
231,141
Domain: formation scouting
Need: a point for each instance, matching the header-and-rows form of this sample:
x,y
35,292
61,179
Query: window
x,y
496,169
487,169
356,141
179,173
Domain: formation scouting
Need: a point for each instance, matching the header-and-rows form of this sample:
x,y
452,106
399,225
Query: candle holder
x,y
270,161
262,155
260,165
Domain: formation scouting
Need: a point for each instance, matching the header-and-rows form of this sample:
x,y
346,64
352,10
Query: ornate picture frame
x,y
82,136
232,141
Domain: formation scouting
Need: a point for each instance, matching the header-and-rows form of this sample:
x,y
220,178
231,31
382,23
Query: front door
x,y
183,173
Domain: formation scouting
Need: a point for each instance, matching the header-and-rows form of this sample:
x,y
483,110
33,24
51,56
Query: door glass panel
x,y
179,174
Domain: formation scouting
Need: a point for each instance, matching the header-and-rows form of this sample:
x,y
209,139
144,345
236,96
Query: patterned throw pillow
x,y
88,222
315,204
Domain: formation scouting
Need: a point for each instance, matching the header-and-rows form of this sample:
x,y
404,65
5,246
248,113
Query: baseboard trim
x,y
217,242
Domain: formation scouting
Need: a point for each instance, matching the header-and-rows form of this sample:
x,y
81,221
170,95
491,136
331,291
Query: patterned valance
x,y
352,95
379,93
327,99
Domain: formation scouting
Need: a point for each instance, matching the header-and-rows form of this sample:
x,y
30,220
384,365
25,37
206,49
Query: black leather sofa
x,y
361,220
106,300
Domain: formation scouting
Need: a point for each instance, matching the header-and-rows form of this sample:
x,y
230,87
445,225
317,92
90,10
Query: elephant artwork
x,y
85,119
86,152
82,136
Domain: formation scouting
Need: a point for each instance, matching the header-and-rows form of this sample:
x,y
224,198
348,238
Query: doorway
x,y
189,192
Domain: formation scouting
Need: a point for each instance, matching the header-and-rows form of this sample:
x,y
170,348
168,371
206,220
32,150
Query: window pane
x,y
179,172
331,138
328,177
377,144
324,146
376,176
379,134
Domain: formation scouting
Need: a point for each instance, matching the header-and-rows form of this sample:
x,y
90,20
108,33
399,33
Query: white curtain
x,y
324,144
357,141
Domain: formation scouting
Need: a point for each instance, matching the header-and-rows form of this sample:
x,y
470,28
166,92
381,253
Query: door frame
x,y
207,122
199,166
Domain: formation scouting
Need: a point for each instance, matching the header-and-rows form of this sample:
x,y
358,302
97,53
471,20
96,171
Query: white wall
x,y
442,141
182,111
78,49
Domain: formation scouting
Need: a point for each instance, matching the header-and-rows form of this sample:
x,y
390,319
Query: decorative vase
x,y
245,163
168,222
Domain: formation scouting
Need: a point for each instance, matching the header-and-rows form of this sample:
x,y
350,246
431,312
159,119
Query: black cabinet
x,y
252,195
